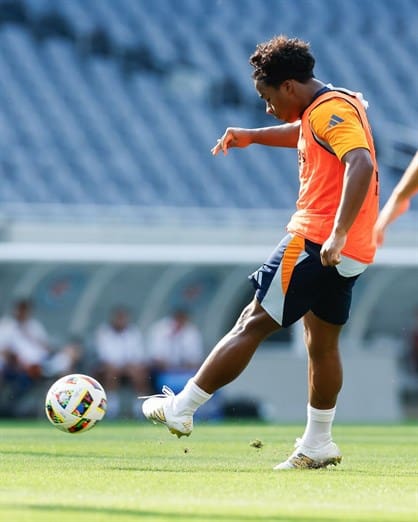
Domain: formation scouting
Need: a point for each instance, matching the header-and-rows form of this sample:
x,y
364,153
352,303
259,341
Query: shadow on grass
x,y
215,468
154,468
172,515
29,453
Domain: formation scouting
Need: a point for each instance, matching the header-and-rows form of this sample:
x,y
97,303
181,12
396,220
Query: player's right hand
x,y
232,137
331,249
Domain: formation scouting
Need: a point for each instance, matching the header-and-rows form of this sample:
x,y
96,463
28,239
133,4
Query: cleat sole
x,y
178,433
328,462
301,461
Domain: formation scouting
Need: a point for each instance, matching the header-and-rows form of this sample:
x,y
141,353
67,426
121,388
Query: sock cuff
x,y
192,386
321,415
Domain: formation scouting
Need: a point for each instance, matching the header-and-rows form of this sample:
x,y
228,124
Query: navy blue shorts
x,y
293,281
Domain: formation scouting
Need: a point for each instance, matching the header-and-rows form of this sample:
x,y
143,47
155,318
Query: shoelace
x,y
167,392
298,442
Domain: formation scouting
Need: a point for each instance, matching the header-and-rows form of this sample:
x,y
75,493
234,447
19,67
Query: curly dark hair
x,y
282,58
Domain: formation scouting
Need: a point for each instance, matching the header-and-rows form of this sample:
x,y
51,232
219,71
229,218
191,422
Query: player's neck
x,y
310,89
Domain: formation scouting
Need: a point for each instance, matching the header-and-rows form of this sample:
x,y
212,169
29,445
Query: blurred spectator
x,y
121,356
24,348
67,359
175,346
409,368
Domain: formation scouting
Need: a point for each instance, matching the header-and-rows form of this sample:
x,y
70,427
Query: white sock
x,y
318,428
190,398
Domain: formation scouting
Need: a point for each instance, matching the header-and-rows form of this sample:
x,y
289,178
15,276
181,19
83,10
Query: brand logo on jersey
x,y
334,120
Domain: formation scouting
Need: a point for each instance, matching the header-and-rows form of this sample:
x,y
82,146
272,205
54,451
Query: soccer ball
x,y
75,403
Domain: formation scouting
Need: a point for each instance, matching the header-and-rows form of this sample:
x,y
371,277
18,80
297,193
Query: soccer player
x,y
399,200
311,273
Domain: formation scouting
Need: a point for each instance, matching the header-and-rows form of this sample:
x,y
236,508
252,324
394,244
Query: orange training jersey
x,y
332,125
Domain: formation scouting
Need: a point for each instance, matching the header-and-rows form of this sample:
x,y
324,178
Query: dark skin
x,y
233,353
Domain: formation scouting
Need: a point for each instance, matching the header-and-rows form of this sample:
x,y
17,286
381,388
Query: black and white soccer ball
x,y
75,403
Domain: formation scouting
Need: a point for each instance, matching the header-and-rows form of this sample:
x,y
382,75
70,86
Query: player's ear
x,y
289,87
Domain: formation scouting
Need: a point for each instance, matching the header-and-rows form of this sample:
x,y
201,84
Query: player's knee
x,y
255,321
318,349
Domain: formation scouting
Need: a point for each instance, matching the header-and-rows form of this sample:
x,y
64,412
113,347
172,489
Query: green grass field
x,y
134,471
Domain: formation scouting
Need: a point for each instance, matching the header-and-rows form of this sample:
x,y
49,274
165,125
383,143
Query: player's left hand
x,y
232,137
331,249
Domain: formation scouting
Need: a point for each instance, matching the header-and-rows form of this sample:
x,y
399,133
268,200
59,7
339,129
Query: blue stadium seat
x,y
82,125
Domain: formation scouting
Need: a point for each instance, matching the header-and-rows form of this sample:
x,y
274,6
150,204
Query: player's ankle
x,y
190,399
316,442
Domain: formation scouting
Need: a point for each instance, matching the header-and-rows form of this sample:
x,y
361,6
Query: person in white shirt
x,y
121,355
24,338
24,348
175,346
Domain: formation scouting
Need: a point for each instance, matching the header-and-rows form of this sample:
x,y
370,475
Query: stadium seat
x,y
126,102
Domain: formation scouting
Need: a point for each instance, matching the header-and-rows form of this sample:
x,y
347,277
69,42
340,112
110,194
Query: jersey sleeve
x,y
337,123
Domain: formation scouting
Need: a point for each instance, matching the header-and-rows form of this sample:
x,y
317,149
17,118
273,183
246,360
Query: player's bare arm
x,y
408,184
285,135
399,200
357,177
